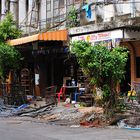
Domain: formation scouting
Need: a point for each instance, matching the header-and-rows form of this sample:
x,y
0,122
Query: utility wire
x,y
94,3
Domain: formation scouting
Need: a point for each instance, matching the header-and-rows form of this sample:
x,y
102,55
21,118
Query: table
x,y
69,91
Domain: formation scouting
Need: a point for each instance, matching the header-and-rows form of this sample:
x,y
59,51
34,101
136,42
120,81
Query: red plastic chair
x,y
61,93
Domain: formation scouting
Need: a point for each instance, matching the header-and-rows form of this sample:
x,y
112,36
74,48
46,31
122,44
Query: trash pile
x,y
30,110
72,114
49,113
132,123
62,116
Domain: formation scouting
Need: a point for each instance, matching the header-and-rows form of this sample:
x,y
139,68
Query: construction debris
x,y
72,115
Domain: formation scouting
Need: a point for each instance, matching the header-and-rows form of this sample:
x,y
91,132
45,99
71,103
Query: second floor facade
x,y
43,15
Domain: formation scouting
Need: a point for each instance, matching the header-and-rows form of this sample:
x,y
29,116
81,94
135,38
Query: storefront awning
x,y
23,40
60,35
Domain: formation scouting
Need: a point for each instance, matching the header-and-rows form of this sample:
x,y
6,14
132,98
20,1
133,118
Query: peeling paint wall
x,y
38,15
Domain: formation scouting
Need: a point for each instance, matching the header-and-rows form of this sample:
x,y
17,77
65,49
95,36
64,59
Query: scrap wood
x,y
51,117
37,110
36,113
87,110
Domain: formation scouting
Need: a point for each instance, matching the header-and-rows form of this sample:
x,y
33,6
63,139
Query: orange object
x,y
61,35
54,35
23,40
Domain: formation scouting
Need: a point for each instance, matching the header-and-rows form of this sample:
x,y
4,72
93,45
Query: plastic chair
x,y
76,94
61,93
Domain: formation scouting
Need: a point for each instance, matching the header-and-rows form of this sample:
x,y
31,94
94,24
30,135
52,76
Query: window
x,y
49,14
58,10
48,6
138,67
61,3
35,13
56,4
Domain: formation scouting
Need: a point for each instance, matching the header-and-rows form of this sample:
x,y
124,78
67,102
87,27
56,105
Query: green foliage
x,y
105,67
9,59
8,29
72,18
9,56
106,92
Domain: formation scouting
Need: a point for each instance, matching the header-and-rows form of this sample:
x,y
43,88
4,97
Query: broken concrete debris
x,y
69,114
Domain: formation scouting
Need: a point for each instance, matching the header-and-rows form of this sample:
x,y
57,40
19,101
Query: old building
x,y
38,15
44,43
112,21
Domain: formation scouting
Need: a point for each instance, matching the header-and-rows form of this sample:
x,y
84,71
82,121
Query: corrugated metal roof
x,y
60,35
55,35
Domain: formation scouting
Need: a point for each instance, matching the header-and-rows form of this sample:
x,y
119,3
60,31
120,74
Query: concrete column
x,y
43,13
29,15
52,4
3,9
14,9
22,15
30,9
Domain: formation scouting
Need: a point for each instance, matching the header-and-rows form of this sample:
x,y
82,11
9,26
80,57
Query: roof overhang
x,y
60,35
23,40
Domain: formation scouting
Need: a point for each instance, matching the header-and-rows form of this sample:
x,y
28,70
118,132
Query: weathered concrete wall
x,y
22,14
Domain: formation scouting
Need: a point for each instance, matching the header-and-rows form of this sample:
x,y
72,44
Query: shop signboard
x,y
109,39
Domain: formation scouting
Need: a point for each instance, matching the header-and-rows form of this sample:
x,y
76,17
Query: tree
x,y
72,18
9,59
8,29
105,67
9,56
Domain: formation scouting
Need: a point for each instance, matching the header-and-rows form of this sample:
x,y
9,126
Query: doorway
x,y
124,86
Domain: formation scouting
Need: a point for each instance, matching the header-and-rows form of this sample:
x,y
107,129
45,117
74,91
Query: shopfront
x,y
119,37
48,54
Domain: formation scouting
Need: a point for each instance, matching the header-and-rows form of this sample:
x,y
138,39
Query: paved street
x,y
27,130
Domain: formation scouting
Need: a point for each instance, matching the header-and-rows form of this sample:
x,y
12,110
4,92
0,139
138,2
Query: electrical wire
x,y
105,3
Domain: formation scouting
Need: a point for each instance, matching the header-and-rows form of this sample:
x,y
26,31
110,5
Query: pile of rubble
x,y
49,113
72,115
